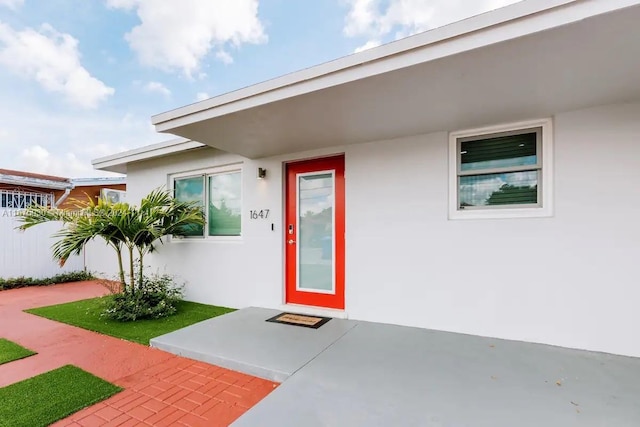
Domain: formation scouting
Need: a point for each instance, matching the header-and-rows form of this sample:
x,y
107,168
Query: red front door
x,y
314,232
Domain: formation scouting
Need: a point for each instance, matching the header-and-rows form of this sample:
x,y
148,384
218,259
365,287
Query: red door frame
x,y
294,296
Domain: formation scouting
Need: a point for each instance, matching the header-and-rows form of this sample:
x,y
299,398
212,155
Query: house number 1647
x,y
261,214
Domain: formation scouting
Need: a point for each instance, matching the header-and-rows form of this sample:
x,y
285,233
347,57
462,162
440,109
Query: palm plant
x,y
126,228
159,215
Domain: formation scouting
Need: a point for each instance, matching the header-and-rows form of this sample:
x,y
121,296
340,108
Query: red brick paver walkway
x,y
160,388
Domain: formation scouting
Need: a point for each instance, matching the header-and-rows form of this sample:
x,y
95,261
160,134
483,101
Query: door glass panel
x,y
315,232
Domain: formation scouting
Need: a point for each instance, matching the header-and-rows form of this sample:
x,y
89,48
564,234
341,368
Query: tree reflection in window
x,y
512,194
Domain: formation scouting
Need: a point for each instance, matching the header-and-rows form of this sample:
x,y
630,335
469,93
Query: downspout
x,y
64,196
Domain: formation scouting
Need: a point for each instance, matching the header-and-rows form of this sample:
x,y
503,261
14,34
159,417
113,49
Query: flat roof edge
x,y
436,36
85,182
145,153
35,182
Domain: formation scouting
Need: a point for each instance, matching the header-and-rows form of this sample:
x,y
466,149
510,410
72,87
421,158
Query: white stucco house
x,y
482,178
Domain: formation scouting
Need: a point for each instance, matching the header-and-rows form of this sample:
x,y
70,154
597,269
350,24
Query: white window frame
x,y
206,173
544,208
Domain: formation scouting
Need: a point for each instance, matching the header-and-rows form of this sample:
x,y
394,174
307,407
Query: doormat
x,y
299,320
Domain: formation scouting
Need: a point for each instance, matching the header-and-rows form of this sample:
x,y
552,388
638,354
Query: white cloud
x,y
201,96
122,4
375,19
179,38
39,160
52,59
368,45
224,56
12,4
64,143
157,87
361,17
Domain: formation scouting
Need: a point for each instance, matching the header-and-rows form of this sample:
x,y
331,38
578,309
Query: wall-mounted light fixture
x,y
262,173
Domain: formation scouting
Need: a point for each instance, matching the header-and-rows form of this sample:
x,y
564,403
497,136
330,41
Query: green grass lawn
x,y
48,397
86,314
10,351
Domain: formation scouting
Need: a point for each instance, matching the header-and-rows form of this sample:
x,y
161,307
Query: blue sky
x,y
80,79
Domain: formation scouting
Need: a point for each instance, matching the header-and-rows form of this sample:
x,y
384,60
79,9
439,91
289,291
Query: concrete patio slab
x,y
382,375
352,373
245,342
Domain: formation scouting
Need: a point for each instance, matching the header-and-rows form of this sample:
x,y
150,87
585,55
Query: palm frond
x,y
35,215
119,224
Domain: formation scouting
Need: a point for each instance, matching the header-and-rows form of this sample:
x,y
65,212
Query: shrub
x,y
21,282
156,297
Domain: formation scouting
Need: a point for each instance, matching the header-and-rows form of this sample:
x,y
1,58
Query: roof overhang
x,y
118,162
99,181
528,60
35,182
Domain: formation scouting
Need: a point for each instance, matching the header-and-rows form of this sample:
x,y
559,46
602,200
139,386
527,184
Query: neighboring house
x,y
481,178
19,189
110,188
29,253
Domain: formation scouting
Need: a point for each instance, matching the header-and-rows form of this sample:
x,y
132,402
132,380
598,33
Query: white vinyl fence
x,y
28,253
101,260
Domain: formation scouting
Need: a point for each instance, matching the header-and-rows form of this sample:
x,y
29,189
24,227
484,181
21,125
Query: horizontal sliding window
x,y
225,204
190,190
221,194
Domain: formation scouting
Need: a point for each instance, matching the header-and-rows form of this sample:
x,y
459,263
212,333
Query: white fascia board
x,y
517,20
86,182
118,162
